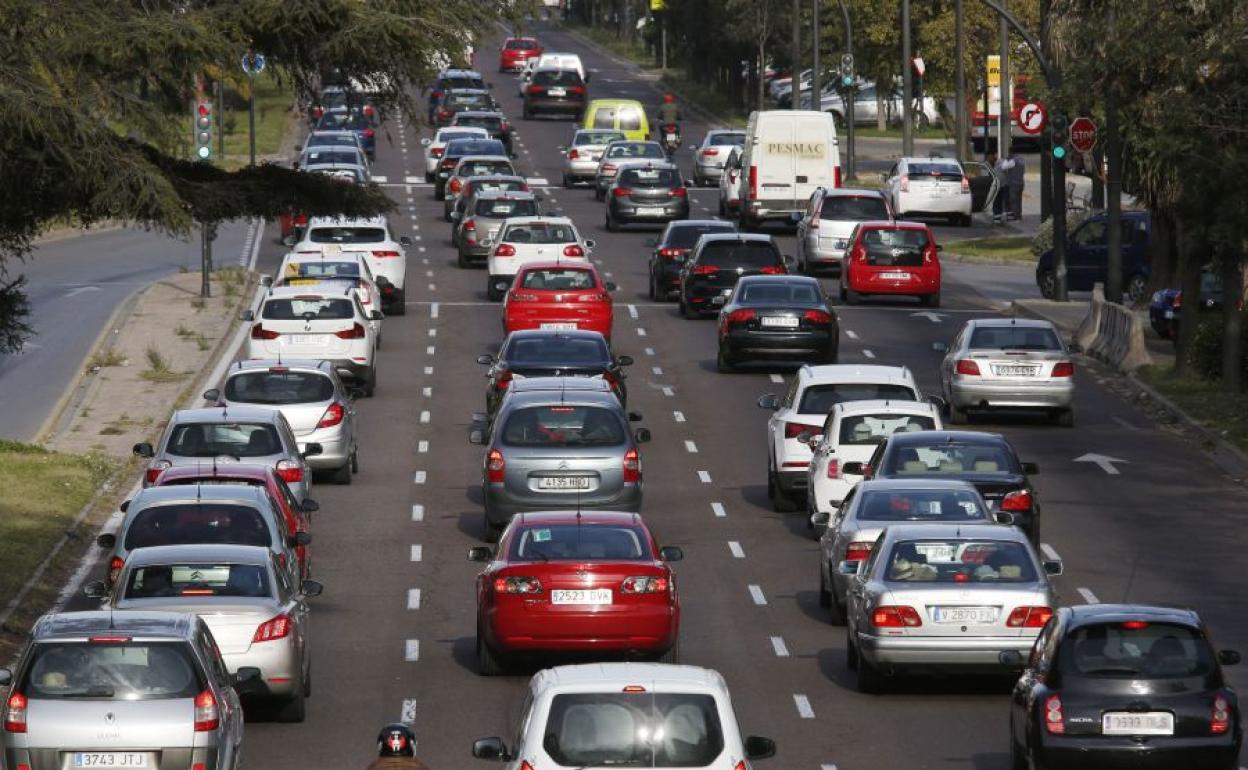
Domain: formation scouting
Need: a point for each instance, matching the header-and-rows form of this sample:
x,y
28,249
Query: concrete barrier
x,y
1112,333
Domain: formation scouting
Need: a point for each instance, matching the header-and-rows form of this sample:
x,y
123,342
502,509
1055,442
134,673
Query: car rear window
x,y
198,523
633,729
596,137
488,122
455,82
636,150
1014,338
501,209
354,175
956,459
867,429
853,208
943,171
567,279
308,308
894,247
342,121
959,561
279,387
319,155
819,399
630,118
557,351
540,232
463,100
489,183
557,78
650,177
461,147
685,236
563,426
745,254
347,234
331,140
521,44
722,139
161,580
230,439
119,671
759,293
485,168
562,542
920,505
322,269
445,136
1135,649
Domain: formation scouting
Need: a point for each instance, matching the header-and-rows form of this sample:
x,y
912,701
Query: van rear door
x,y
817,160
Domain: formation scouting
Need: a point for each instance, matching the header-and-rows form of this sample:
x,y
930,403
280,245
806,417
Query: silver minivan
x,y
122,689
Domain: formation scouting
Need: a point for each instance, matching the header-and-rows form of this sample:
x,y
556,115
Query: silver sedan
x,y
1008,363
581,155
710,156
937,598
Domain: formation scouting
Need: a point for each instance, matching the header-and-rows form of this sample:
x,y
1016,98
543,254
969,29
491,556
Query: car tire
x,y
672,655
489,532
851,297
612,227
851,652
488,662
342,475
1065,418
567,182
399,305
1047,281
869,680
723,363
370,387
650,288
781,502
688,312
956,416
428,178
355,460
833,355
307,681
825,596
460,261
599,195
1018,756
840,292
438,195
932,300
836,610
294,709
491,293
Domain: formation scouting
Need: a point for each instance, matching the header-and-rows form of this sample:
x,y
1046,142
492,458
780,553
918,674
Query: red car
x,y
569,581
294,512
515,51
561,295
892,258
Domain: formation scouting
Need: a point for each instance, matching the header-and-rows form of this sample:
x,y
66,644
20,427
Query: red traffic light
x,y
204,108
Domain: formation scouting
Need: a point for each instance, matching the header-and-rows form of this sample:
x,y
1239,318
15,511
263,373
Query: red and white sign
x,y
1083,135
1032,118
919,66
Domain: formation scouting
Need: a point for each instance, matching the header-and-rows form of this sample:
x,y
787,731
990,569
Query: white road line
x,y
777,644
1049,553
868,353
649,351
777,379
609,275
433,310
418,513
424,416
408,190
704,477
413,598
756,594
1124,423
433,287
827,767
407,715
667,391
421,249
428,370
418,552
411,653
1088,596
735,549
426,391
422,447
678,416
718,509
632,311
420,477
428,273
379,179
433,332
658,371
641,332
413,179
691,447
803,706
430,350
853,335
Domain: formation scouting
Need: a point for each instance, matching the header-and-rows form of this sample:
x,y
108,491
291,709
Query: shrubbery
x,y
1206,353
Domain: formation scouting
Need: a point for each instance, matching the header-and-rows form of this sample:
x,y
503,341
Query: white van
x,y
561,61
788,154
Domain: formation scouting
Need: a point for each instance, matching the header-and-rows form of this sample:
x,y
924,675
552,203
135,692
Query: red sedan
x,y
515,51
568,581
560,295
892,258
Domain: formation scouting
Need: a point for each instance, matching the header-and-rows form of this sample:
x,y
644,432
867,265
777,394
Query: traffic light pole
x,y
251,116
848,169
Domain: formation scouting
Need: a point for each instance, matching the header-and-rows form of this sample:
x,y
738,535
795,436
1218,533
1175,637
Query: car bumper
x,y
349,369
473,251
956,653
501,505
603,182
784,210
793,482
165,758
278,662
914,204
1099,752
919,283
708,172
555,105
967,394
823,253
773,345
335,447
581,169
541,627
627,211
600,325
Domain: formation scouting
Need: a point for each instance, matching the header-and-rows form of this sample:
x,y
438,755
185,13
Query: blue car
x,y
351,120
1087,256
1163,310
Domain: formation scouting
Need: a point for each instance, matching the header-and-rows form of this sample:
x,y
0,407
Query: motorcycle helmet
x,y
396,740
668,98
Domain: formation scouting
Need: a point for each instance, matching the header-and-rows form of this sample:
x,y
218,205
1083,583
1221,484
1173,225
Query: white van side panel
x,y
794,153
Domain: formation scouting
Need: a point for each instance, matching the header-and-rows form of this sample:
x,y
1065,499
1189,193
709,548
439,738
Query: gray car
x,y
932,597
825,229
470,166
258,618
255,434
314,401
123,689
1009,363
581,155
559,450
617,153
709,156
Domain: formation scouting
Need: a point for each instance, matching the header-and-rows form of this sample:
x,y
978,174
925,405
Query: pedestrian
x,y
1017,177
1000,204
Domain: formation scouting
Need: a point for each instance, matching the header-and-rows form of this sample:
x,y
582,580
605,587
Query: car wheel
x,y
567,182
932,300
833,354
611,225
687,311
460,261
672,655
1065,418
651,292
851,652
851,297
836,610
1018,757
825,596
841,290
723,363
355,461
293,709
1047,282
342,475
488,663
490,532
399,305
870,680
781,502
428,178
438,195
492,293
307,681
599,195
370,387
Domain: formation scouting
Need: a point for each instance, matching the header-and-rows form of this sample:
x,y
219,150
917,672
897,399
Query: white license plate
x,y
581,596
651,211
670,137
110,759
964,614
563,482
1142,723
896,275
562,326
1015,371
935,552
307,339
782,321
558,92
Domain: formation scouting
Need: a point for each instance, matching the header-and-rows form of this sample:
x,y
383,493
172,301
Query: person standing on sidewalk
x,y
1000,203
1017,177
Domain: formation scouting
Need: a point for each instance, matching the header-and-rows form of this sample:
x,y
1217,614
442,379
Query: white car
x,y
935,187
850,433
437,145
325,322
801,414
349,268
629,714
371,238
531,239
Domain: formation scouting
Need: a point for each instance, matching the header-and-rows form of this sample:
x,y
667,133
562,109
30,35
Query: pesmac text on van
x,y
801,149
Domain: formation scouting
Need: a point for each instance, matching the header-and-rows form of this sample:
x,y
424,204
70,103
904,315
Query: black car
x,y
559,91
459,148
986,460
777,317
549,353
670,249
647,191
494,122
351,120
459,100
1124,686
718,262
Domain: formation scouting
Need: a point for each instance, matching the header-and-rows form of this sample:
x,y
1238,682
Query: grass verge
x,y
273,104
1010,248
1226,414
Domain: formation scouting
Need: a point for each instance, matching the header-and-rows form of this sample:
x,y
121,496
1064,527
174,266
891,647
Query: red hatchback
x,y
515,51
294,512
568,581
559,295
892,258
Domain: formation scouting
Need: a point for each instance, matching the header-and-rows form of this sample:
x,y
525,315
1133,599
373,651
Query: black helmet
x,y
396,740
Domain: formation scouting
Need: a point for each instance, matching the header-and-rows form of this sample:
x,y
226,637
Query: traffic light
x,y
1059,126
203,129
847,70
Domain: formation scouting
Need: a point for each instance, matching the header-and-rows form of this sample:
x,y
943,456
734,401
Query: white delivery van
x,y
788,154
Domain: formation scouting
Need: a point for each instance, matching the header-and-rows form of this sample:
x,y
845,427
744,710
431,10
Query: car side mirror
x,y
1030,469
758,747
590,243
940,247
634,417
425,142
107,541
804,437
940,347
611,286
936,401
476,436
485,360
143,449
490,748
650,243
1011,659
95,590
853,468
6,677
849,567
125,506
624,360
1003,517
375,315
309,505
768,401
303,538
456,216
671,553
312,588
1053,567
642,436
1225,657
688,183
820,518
266,280
212,394
405,240
247,315
312,449
480,553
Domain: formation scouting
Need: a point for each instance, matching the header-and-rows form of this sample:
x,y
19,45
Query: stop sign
x,y
1083,134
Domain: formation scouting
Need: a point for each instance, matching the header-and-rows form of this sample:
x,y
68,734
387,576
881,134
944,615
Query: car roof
x,y
559,264
781,279
662,165
216,553
477,130
828,373
480,114
947,532
470,158
518,195
875,405
948,437
294,364
547,384
192,493
613,677
221,414
217,470
375,221
538,518
613,102
851,192
568,333
893,224
136,623
1087,614
540,219
320,288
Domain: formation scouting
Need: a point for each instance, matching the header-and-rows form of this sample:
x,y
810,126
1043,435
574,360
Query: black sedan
x,y
647,191
718,261
777,317
670,249
549,353
1124,686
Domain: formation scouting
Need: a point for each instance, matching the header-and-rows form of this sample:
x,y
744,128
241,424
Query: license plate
x,y
563,482
1142,723
896,275
1006,370
935,552
964,614
1169,314
782,321
307,339
562,326
557,92
670,137
654,211
110,759
580,596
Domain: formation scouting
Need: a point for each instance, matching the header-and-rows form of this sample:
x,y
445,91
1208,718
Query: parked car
x,y
710,155
1087,256
560,295
670,249
892,258
825,229
718,261
774,317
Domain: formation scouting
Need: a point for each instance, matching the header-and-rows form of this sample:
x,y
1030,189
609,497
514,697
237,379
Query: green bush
x,y
1206,353
1043,240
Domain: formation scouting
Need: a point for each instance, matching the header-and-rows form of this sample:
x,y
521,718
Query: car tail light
x,y
573,250
383,253
207,718
448,163
333,415
966,185
834,469
859,254
524,765
595,296
275,628
632,465
680,192
114,568
905,183
858,551
356,332
573,154
817,317
836,176
929,254
710,152
503,380
368,110
517,296
368,133
899,616
535,89
444,113
671,253
454,185
1064,369
1054,719
608,167
704,270
622,192
495,465
968,367
740,317
1029,617
437,151
644,584
795,429
154,470
436,95
1018,500
258,332
517,585
15,714
505,250
318,112
1219,722
578,90
289,471
754,183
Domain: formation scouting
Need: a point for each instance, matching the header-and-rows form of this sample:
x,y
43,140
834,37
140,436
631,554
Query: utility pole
x,y
959,79
1006,108
816,84
849,87
796,102
907,88
1113,176
205,259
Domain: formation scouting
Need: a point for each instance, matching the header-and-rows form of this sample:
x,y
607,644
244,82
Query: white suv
x,y
640,714
803,410
349,269
522,240
325,322
371,238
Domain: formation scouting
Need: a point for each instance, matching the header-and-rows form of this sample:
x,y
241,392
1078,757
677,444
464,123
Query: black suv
x,y
459,100
718,262
670,249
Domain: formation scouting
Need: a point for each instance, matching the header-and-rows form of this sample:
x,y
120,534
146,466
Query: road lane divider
x,y
804,709
756,594
1088,596
736,550
779,647
718,510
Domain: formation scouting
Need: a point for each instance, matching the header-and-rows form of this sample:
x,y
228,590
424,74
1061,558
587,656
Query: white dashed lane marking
x,y
433,310
691,447
718,510
667,391
649,351
736,550
422,447
418,552
426,391
1088,596
632,311
704,477
641,332
853,335
413,598
803,706
678,416
756,594
420,477
868,353
1049,553
407,714
777,644
424,416
658,371
418,513
428,370
777,379
430,350
411,652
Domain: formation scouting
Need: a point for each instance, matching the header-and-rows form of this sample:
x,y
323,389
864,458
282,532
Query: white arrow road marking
x,y
929,315
80,290
1104,461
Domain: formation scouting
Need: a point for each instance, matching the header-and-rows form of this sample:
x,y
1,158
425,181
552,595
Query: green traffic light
x,y
847,81
1059,152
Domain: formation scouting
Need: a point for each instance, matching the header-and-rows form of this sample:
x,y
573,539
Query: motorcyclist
x,y
669,113
396,749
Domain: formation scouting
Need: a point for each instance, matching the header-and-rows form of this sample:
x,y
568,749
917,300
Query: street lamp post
x,y
796,102
816,92
959,79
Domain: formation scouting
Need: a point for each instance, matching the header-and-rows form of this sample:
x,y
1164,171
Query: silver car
x,y
581,155
551,451
931,597
618,152
470,166
315,403
256,434
122,689
476,227
709,156
730,185
825,230
258,618
1009,363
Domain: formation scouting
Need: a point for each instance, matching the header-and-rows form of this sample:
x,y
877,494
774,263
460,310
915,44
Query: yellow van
x,y
624,115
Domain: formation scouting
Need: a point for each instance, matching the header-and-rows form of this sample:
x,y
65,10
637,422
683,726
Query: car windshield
x,y
1136,649
347,234
276,386
959,561
238,439
163,580
920,505
547,351
596,137
568,542
635,150
558,279
1014,338
943,171
779,293
749,255
563,426
322,269
857,208
894,247
819,399
540,232
956,459
727,138
633,729
320,155
197,523
869,429
112,670
685,236
484,167
488,122
309,309
557,78
649,177
501,209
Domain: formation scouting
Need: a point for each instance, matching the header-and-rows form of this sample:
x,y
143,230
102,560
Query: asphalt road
x,y
393,633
